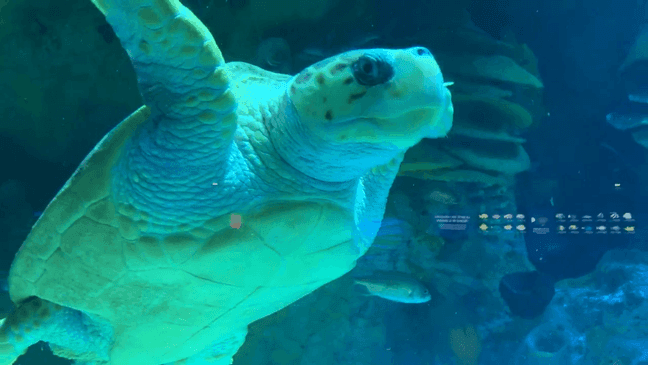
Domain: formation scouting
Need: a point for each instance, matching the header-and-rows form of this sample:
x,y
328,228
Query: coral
x,y
495,83
461,175
475,89
495,68
464,40
486,113
505,157
555,341
465,344
427,156
487,135
638,52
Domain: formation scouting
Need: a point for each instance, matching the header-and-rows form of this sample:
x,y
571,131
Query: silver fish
x,y
395,286
626,121
639,98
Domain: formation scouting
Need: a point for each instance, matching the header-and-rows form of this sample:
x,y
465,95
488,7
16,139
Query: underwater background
x,y
526,228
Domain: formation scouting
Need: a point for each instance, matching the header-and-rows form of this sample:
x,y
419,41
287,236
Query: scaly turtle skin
x,y
140,258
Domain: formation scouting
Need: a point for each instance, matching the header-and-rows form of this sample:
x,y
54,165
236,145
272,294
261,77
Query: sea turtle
x,y
233,193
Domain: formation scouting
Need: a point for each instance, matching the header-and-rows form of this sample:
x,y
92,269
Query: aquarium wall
x,y
520,237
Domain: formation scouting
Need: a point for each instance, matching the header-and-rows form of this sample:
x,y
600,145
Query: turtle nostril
x,y
421,51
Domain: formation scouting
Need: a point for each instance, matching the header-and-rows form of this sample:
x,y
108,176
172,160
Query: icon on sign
x,y
630,228
573,227
614,215
533,219
483,227
600,216
601,228
616,228
572,216
520,227
543,220
508,227
561,228
587,217
508,216
483,216
496,216
627,216
520,216
560,216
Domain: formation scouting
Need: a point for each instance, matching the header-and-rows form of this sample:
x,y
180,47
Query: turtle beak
x,y
442,122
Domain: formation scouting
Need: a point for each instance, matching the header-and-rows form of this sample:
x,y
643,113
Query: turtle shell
x,y
188,287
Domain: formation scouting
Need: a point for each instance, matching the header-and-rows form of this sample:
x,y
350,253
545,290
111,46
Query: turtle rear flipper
x,y
179,68
70,333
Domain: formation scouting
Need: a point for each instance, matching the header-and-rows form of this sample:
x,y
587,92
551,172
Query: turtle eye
x,y
371,71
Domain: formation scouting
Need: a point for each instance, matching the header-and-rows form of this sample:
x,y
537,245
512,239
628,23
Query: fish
x,y
390,231
393,233
391,241
394,286
624,122
635,123
443,197
639,98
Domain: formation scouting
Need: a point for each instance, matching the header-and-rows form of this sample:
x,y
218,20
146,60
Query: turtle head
x,y
375,96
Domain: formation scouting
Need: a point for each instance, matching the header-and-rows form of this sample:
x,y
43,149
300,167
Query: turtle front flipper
x,y
179,67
